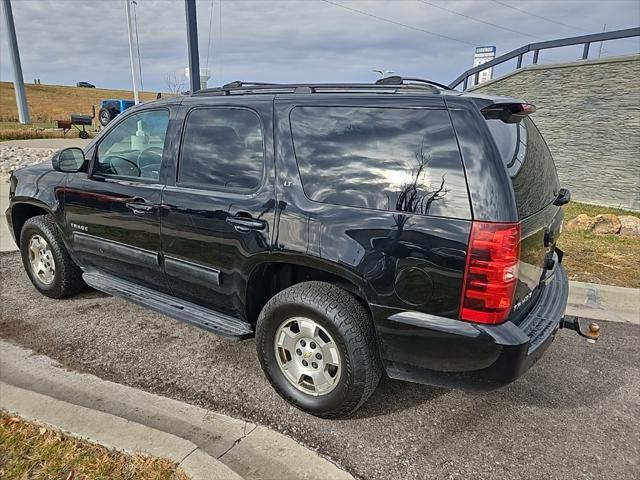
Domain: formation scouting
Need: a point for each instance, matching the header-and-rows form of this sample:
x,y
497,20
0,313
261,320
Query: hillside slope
x,y
52,102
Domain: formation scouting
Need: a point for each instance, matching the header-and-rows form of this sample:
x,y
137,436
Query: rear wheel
x,y
46,260
317,347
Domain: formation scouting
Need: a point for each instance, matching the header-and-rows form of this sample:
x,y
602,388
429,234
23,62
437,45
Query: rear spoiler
x,y
508,112
507,109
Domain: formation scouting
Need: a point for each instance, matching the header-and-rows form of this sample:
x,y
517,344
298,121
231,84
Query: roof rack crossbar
x,y
398,80
240,83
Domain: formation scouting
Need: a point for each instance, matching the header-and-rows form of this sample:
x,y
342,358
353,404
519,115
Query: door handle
x,y
244,224
139,206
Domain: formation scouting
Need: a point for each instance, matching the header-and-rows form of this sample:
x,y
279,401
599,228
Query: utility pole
x,y
134,71
18,81
192,41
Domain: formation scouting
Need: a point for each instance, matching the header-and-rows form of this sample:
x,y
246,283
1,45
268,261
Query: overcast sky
x,y
65,41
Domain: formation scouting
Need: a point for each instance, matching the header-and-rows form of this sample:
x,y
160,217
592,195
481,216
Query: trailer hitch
x,y
572,323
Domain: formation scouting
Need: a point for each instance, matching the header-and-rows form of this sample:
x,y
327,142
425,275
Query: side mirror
x,y
68,160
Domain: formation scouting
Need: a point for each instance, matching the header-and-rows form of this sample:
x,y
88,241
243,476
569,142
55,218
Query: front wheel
x,y
46,260
317,347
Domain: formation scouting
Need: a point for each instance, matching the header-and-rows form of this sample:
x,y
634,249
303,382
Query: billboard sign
x,y
484,55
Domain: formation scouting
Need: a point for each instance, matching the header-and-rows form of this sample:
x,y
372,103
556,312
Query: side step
x,y
218,323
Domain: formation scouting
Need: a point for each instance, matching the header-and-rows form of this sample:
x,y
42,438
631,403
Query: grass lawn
x,y
605,259
28,451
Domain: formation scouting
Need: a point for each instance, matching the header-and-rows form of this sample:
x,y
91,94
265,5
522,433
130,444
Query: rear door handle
x,y
244,224
139,206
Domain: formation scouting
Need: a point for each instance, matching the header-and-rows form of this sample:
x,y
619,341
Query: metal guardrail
x,y
585,40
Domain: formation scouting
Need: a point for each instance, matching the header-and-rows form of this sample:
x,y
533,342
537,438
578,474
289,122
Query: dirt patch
x,y
608,259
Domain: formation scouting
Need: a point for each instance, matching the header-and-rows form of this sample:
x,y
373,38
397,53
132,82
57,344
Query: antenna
x,y
383,73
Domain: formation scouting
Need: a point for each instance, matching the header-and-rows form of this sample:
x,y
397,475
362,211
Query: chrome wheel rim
x,y
307,356
41,259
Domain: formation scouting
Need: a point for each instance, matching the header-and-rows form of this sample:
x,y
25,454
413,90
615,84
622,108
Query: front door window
x,y
133,148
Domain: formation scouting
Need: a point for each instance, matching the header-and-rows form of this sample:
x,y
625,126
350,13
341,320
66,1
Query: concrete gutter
x,y
207,445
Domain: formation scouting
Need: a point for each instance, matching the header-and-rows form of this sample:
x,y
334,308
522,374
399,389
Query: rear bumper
x,y
423,348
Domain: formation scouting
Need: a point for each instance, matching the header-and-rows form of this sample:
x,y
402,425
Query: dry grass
x,y
16,131
29,452
605,259
48,103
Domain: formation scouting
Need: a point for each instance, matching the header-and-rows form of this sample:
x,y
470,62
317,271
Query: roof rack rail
x,y
398,80
239,87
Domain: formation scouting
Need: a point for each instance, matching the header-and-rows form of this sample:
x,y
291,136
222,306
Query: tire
x,y
105,115
342,318
83,134
67,277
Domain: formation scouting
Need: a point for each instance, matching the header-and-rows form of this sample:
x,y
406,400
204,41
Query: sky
x,y
66,41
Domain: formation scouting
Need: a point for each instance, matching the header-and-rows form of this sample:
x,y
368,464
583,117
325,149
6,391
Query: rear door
x,y
535,185
218,206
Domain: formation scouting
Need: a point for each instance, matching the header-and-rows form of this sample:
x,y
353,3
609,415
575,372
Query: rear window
x,y
394,159
529,163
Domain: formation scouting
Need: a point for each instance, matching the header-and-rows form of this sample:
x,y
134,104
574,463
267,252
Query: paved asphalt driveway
x,y
575,415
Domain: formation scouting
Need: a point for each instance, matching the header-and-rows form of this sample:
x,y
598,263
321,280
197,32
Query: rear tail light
x,y
491,272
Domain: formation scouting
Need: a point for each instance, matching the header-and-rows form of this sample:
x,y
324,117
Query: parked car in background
x,y
85,85
352,228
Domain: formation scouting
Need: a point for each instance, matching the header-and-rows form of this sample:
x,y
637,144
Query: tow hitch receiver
x,y
572,323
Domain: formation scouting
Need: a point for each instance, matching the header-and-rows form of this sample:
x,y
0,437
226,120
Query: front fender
x,y
33,191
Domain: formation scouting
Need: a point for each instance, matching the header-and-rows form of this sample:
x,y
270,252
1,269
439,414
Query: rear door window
x,y
529,163
222,149
394,159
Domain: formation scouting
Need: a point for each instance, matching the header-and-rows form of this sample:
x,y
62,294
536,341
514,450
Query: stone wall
x,y
589,113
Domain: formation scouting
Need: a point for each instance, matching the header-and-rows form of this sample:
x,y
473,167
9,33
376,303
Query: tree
x,y
174,83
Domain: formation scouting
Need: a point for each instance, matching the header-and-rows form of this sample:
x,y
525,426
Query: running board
x,y
218,323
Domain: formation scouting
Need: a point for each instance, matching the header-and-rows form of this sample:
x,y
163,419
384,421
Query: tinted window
x,y
133,148
382,158
222,149
529,163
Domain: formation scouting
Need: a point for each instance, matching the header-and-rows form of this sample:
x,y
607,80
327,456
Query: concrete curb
x,y
113,432
604,302
125,418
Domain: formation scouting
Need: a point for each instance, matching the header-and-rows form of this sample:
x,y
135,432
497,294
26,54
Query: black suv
x,y
353,228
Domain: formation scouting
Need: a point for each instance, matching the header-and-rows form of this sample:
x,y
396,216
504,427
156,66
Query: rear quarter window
x,y
393,159
529,163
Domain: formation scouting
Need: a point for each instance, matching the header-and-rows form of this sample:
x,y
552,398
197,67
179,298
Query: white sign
x,y
484,55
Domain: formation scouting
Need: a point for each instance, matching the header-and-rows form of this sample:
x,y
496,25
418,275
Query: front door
x,y
113,213
218,214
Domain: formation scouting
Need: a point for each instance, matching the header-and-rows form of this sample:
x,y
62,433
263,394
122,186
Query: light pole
x,y
192,42
134,72
18,81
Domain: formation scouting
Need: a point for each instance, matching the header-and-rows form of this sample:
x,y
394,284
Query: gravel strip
x,y
12,158
575,415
